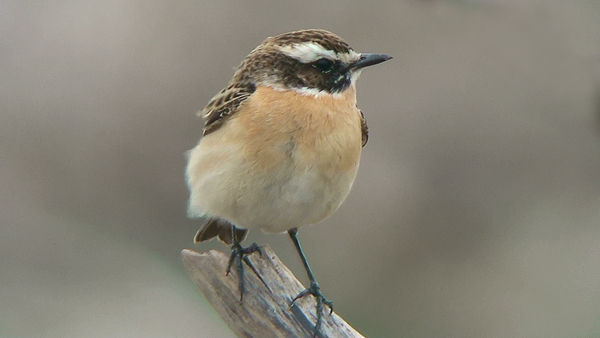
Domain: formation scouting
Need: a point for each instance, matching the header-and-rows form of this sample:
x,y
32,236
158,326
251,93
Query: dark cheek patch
x,y
295,74
340,81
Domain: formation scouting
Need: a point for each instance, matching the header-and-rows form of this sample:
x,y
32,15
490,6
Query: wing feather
x,y
223,105
364,128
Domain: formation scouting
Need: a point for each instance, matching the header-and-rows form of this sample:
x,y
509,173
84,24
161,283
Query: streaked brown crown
x,y
326,39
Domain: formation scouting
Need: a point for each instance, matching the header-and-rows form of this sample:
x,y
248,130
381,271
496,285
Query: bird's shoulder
x,y
224,105
364,128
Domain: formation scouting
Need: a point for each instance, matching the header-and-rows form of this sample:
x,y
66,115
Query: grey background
x,y
475,213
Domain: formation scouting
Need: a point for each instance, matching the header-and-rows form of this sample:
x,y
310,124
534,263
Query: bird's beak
x,y
369,59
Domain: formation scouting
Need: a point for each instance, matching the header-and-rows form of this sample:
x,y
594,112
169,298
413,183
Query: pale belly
x,y
297,190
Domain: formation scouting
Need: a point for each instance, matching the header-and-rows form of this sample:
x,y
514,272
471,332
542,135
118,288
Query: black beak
x,y
369,59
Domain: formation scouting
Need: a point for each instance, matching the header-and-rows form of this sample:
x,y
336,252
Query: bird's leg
x,y
314,288
241,253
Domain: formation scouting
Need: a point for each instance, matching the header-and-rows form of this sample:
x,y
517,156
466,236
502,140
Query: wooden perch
x,y
265,310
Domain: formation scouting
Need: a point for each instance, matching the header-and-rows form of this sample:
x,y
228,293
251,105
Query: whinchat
x,y
281,144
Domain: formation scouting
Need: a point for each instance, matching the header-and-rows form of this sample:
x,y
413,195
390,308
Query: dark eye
x,y
324,65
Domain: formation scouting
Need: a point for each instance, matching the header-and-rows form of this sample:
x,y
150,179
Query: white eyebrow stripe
x,y
350,57
308,52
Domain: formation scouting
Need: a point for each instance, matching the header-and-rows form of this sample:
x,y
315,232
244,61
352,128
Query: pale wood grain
x,y
265,310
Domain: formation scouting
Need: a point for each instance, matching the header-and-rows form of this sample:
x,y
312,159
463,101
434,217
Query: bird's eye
x,y
324,65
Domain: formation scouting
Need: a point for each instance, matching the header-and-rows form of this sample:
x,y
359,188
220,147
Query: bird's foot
x,y
315,290
237,251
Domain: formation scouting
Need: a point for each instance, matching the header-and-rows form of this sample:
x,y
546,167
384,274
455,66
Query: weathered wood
x,y
265,310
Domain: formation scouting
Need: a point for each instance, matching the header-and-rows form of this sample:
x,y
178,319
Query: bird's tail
x,y
220,228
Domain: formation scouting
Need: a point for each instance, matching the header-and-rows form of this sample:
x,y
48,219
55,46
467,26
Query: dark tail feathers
x,y
216,227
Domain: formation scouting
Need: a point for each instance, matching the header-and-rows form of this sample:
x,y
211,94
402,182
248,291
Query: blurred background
x,y
476,211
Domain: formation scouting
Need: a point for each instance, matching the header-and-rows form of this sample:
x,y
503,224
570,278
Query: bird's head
x,y
311,62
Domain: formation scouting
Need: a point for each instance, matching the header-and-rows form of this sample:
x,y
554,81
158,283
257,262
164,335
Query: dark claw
x,y
231,259
237,251
252,248
300,295
315,290
330,304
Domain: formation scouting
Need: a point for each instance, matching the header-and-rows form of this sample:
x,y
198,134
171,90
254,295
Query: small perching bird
x,y
281,144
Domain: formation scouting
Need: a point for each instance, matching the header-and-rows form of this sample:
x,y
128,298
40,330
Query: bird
x,y
280,146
